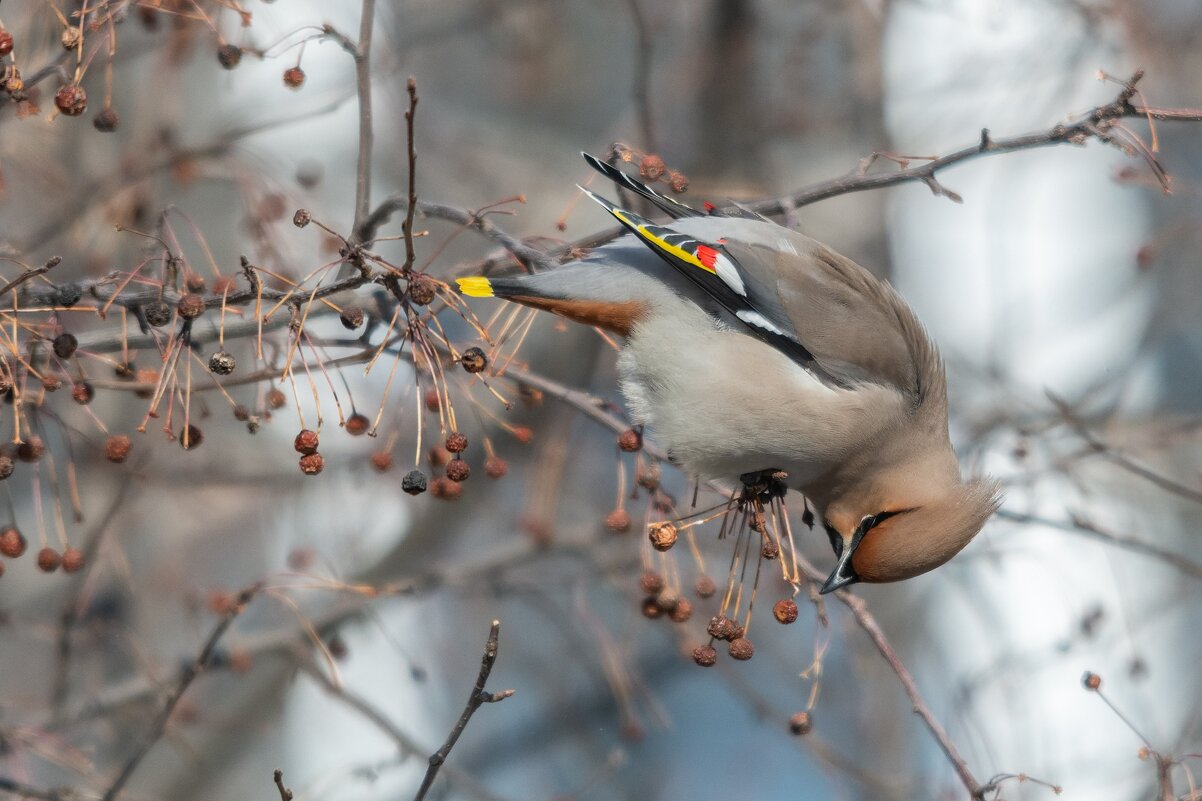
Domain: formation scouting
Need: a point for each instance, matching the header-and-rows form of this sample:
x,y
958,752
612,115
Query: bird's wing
x,y
854,324
821,309
710,268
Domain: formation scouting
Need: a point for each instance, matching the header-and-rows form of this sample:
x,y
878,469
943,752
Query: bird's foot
x,y
764,484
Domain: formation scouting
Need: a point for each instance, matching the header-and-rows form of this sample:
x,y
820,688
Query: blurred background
x,y
1064,292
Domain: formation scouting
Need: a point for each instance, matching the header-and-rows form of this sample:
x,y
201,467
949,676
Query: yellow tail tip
x,y
477,286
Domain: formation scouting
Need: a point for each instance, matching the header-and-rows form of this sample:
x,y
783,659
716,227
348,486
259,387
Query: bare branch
x,y
189,674
477,698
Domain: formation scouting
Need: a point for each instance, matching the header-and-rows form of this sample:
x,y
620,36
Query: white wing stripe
x,y
758,320
729,274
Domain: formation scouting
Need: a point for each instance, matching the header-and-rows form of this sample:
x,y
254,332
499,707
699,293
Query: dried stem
x,y
411,206
363,88
475,700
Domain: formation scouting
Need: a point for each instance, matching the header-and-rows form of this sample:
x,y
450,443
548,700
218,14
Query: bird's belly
x,y
724,404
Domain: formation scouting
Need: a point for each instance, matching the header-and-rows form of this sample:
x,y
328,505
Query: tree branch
x,y
477,698
190,672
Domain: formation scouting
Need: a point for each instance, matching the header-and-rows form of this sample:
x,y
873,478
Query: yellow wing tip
x,y
476,286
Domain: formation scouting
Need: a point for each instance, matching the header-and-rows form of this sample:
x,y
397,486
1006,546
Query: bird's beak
x,y
842,575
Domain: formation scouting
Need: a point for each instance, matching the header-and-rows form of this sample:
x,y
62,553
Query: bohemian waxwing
x,y
750,348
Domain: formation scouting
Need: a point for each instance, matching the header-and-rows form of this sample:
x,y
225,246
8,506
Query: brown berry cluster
x,y
660,600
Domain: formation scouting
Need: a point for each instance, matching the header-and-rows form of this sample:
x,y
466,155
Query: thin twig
x,y
189,674
866,621
33,272
403,741
477,698
363,88
1079,524
1126,463
1093,125
642,76
411,205
285,793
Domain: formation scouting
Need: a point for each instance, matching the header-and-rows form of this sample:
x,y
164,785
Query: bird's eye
x,y
835,538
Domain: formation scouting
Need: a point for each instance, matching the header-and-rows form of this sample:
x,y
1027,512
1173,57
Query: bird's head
x,y
902,540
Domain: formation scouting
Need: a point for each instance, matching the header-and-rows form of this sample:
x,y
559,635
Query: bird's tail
x,y
573,290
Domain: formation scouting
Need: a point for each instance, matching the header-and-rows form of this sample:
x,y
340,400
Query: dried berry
x,y
306,441
222,363
106,121
705,655
73,560
741,649
770,550
414,482
190,437
1091,681
720,627
682,610
6,466
14,84
6,43
473,360
229,56
651,583
662,536
351,317
190,306
801,723
67,295
31,449
241,413
421,290
438,456
382,461
311,464
157,313
445,489
458,470
64,345
48,560
82,393
495,467
647,476
149,377
12,542
618,520
785,611
630,440
301,218
456,442
51,383
294,77
651,608
431,400
275,398
357,424
71,100
523,434
117,448
71,38
194,282
678,181
652,167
